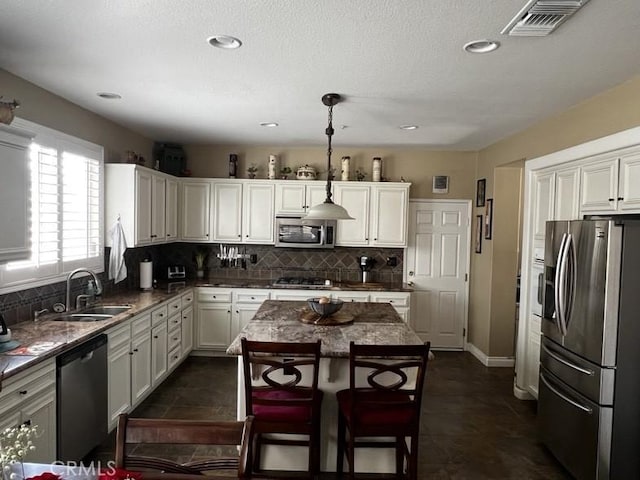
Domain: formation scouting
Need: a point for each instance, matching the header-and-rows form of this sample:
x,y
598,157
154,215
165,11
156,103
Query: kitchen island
x,y
279,321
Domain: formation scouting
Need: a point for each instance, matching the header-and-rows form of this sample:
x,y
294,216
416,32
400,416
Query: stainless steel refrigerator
x,y
589,389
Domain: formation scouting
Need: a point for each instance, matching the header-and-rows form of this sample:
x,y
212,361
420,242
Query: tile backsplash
x,y
340,264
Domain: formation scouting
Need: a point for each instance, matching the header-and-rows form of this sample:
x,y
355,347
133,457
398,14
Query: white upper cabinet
x,y
171,224
599,186
195,204
15,183
355,197
243,211
629,182
138,196
227,211
158,209
543,204
257,213
380,212
389,215
567,194
611,184
296,197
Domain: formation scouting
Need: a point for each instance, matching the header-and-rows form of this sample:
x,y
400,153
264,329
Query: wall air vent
x,y
539,18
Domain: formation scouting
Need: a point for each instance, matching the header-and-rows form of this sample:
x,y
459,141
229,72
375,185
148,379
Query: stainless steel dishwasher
x,y
82,399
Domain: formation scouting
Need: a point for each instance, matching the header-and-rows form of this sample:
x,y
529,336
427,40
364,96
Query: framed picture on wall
x,y
481,192
488,219
478,234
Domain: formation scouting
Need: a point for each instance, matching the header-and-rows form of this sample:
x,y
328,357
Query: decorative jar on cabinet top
x,y
306,173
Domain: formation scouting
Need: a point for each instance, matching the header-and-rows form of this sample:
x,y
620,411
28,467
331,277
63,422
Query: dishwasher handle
x,y
83,352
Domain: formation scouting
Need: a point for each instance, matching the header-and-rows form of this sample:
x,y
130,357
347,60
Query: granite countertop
x,y
50,338
374,323
268,284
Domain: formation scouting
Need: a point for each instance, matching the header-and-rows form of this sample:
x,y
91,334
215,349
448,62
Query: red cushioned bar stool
x,y
281,392
383,400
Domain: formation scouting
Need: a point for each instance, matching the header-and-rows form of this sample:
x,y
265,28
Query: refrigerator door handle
x,y
570,281
558,358
584,408
559,287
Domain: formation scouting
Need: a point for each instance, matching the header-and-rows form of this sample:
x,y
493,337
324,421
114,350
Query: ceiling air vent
x,y
539,18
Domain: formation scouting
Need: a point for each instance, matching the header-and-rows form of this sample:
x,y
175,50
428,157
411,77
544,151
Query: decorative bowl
x,y
324,309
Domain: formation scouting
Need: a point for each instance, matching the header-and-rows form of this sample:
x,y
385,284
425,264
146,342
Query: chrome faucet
x,y
71,275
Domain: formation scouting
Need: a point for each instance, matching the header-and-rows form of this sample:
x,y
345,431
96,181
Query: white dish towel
x,y
117,267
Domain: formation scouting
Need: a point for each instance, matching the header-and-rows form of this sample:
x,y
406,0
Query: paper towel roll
x,y
146,275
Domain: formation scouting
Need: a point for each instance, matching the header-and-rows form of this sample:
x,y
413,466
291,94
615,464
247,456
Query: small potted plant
x,y
200,258
360,175
252,170
284,173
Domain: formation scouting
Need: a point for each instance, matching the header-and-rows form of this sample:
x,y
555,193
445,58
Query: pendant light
x,y
328,210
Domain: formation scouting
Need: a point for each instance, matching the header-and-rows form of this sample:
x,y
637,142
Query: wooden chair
x,y
137,431
383,400
281,393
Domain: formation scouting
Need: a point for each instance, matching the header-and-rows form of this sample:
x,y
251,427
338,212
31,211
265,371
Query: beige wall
x,y
609,112
49,110
417,166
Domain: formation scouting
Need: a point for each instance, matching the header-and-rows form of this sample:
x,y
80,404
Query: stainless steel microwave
x,y
295,232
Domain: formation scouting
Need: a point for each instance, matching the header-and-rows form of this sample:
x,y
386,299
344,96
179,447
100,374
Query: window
x,y
66,210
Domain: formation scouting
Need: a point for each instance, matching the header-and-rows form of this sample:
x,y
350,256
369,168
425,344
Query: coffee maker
x,y
366,264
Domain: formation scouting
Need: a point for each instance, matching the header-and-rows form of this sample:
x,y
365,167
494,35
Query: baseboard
x,y
488,361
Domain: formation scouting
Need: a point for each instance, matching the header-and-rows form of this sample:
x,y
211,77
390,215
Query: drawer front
x,y
214,296
174,322
26,385
395,300
251,297
119,336
187,299
352,296
159,314
141,325
174,357
173,340
175,305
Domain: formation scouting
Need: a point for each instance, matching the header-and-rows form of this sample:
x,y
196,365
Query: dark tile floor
x,y
472,425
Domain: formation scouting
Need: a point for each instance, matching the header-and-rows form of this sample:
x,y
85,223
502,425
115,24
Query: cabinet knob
x,y
176,306
161,315
228,311
153,236
611,199
240,236
135,349
168,234
206,234
130,353
214,296
155,336
22,392
375,239
620,199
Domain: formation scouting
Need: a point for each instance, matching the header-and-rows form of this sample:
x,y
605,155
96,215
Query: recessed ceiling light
x,y
224,41
409,127
109,96
481,46
268,124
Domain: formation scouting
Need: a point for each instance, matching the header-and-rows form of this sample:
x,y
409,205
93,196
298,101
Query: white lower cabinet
x,y
401,301
159,352
213,319
129,365
245,304
30,397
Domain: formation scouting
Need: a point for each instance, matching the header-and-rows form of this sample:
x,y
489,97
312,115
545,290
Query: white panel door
x,y
437,265
196,200
158,209
356,199
143,207
227,208
257,218
629,182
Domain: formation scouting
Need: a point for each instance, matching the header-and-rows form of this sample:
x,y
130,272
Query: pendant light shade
x,y
328,210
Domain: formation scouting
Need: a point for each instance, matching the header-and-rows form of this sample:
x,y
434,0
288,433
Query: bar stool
x,y
383,400
281,392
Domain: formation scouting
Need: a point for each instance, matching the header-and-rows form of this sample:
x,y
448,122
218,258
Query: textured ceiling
x,y
396,62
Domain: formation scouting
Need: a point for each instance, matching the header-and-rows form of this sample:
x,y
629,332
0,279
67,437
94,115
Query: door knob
x,y
411,273
410,284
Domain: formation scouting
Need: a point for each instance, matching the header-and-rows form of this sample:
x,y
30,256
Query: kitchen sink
x,y
93,314
110,310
